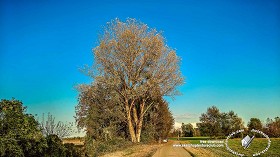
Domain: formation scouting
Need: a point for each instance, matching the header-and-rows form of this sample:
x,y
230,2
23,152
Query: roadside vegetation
x,y
22,135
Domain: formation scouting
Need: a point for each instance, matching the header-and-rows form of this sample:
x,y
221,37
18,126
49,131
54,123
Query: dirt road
x,y
169,151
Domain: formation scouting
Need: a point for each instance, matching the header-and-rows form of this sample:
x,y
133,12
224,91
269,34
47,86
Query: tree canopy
x,y
215,123
135,64
255,123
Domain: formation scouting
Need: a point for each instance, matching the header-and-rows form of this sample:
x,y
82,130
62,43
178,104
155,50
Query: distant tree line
x,y
21,135
216,124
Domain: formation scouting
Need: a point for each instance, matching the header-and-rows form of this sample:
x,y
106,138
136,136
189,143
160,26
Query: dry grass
x,y
75,141
140,150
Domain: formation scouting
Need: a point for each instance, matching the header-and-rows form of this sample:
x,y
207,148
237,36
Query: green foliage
x,y
10,148
13,120
158,122
255,123
33,147
72,150
187,130
97,148
19,132
231,122
98,112
149,133
257,145
214,123
55,146
210,122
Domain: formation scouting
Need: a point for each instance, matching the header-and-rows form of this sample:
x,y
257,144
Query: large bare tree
x,y
135,63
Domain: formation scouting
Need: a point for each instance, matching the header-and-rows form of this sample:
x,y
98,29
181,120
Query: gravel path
x,y
169,151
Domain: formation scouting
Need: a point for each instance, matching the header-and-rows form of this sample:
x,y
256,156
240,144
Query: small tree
x,y
50,127
255,123
231,122
273,127
98,112
187,130
211,122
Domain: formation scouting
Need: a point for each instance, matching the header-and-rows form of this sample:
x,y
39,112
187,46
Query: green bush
x,y
33,147
20,134
72,150
97,148
55,146
10,148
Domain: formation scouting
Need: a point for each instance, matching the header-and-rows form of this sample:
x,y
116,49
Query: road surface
x,y
169,151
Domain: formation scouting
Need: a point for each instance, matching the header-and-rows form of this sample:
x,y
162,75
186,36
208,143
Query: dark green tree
x,y
158,122
55,147
103,119
187,130
72,150
98,113
20,133
211,122
214,123
255,123
231,122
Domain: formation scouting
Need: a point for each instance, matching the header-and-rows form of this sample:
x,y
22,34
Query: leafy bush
x,y
19,132
10,148
148,133
20,135
72,150
55,146
97,148
33,147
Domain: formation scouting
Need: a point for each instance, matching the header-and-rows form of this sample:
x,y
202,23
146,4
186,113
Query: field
x,y
75,141
257,145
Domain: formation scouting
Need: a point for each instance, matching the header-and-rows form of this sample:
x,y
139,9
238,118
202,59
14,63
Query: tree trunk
x,y
131,129
135,117
140,122
129,122
139,129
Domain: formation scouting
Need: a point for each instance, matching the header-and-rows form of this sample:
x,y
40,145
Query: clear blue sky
x,y
230,52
